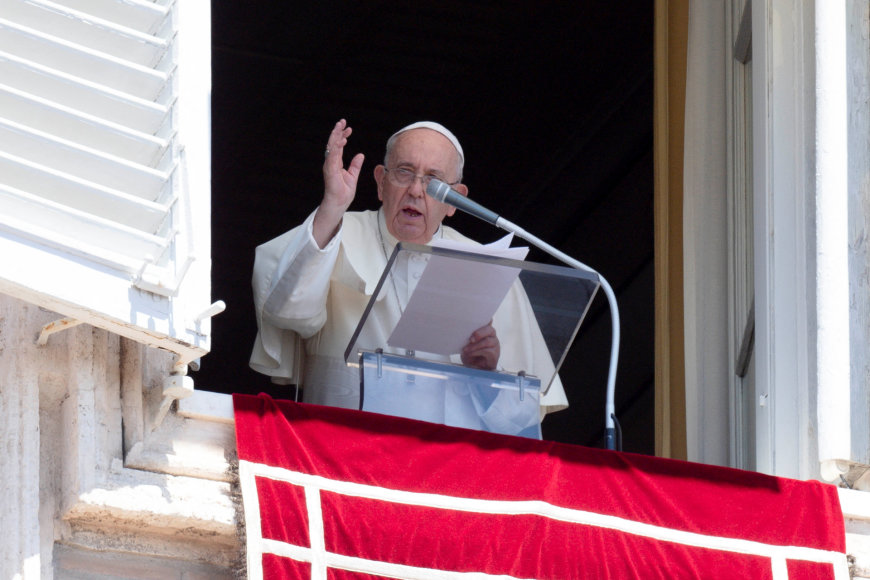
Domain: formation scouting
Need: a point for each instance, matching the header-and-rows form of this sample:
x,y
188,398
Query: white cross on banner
x,y
348,495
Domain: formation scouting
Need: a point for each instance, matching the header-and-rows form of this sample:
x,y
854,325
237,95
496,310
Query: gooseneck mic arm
x,y
443,193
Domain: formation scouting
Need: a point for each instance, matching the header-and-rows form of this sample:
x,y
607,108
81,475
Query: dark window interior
x,y
552,102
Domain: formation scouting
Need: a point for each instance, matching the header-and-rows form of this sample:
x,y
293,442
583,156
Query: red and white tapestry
x,y
339,494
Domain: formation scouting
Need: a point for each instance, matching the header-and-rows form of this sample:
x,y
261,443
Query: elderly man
x,y
312,283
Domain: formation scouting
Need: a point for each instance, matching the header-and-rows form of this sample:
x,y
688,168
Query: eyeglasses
x,y
403,177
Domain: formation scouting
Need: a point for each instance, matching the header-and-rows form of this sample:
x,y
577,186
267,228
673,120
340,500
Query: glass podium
x,y
422,312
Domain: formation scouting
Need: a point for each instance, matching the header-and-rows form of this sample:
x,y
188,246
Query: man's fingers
x,y
337,139
483,349
482,333
333,165
356,165
483,355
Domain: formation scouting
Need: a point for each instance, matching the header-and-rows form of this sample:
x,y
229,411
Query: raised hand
x,y
339,184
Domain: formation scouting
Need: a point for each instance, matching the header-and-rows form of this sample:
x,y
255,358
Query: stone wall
x,y
94,484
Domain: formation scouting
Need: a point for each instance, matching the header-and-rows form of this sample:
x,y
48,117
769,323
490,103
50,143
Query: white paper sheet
x,y
455,297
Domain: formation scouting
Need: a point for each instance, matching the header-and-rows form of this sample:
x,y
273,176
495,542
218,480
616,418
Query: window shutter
x,y
104,163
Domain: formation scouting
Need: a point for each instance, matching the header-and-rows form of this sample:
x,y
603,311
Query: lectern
x,y
408,341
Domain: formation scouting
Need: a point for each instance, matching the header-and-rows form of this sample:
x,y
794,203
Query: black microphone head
x,y
437,189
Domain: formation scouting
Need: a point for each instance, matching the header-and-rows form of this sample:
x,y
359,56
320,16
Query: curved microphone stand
x,y
443,193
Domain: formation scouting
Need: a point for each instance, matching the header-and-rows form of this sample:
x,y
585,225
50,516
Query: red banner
x,y
339,494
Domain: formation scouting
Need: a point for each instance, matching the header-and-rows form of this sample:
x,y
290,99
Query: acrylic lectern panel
x,y
428,294
450,394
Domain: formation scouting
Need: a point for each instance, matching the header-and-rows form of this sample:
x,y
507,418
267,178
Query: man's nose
x,y
418,186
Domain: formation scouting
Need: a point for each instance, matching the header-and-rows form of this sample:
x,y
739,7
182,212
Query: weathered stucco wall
x,y
92,486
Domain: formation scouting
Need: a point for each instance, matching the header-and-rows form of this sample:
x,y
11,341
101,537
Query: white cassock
x,y
309,302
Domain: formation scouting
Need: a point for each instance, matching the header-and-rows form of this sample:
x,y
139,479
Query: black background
x,y
552,102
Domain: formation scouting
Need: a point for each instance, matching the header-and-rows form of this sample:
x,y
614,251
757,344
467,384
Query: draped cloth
x,y
344,494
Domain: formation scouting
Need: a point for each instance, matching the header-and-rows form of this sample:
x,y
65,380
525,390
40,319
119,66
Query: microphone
x,y
445,194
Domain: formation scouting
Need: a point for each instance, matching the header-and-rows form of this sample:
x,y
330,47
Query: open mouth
x,y
411,212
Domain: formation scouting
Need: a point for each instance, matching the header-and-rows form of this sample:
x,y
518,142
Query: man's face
x,y
411,215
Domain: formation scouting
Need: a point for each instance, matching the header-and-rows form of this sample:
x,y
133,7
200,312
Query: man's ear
x,y
380,172
459,188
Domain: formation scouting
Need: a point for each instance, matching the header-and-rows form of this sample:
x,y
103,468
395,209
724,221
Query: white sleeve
x,y
294,291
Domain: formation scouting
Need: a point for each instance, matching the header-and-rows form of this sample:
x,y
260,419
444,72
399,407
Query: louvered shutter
x,y
104,163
